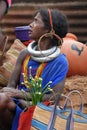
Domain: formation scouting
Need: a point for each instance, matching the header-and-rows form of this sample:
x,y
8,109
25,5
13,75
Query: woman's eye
x,y
35,20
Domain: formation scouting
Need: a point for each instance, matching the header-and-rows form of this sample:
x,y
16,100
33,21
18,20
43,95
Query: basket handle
x,y
70,120
6,40
81,105
5,43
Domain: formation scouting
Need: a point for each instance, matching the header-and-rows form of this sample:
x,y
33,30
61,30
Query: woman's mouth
x,y
30,31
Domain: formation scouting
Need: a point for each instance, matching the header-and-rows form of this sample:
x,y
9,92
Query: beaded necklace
x,y
25,68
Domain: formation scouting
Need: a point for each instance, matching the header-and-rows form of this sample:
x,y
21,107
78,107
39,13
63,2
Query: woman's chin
x,y
30,36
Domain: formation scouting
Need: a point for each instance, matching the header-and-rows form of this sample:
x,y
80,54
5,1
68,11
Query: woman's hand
x,y
11,92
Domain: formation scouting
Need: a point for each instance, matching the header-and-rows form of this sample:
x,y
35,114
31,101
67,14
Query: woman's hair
x,y
59,20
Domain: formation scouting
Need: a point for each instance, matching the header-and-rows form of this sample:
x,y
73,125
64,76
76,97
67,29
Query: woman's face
x,y
37,28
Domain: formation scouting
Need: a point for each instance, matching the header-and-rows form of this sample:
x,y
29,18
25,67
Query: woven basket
x,y
48,118
9,61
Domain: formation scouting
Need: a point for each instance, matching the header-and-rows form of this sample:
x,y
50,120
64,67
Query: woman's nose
x,y
31,25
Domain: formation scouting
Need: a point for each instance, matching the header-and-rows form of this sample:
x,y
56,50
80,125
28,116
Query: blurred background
x,y
21,14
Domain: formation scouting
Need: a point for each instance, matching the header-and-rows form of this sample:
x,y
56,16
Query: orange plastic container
x,y
76,53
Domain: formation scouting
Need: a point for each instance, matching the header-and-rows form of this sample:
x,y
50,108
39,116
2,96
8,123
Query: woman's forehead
x,y
38,17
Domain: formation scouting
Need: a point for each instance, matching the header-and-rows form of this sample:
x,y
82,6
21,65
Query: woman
x,y
47,31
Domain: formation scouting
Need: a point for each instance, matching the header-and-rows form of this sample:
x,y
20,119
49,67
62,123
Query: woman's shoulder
x,y
59,63
61,58
22,55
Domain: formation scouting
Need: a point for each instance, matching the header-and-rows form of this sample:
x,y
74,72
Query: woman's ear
x,y
47,30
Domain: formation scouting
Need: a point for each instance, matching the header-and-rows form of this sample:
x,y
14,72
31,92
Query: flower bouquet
x,y
36,91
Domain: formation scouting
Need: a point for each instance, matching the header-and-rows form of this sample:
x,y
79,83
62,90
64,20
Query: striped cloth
x,y
10,61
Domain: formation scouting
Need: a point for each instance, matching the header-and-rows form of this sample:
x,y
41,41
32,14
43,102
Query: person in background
x,y
4,7
45,58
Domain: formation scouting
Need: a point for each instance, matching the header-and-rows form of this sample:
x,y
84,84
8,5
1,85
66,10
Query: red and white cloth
x,y
8,2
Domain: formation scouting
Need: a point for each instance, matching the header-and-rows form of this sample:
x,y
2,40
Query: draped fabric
x,y
25,71
26,119
54,71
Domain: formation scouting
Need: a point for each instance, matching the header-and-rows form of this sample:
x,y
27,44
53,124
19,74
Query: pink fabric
x,y
9,2
26,43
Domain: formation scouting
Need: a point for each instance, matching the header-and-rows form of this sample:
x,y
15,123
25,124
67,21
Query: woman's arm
x,y
13,82
11,88
58,89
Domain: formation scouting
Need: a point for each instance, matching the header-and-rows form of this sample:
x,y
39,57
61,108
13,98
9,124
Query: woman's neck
x,y
44,45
